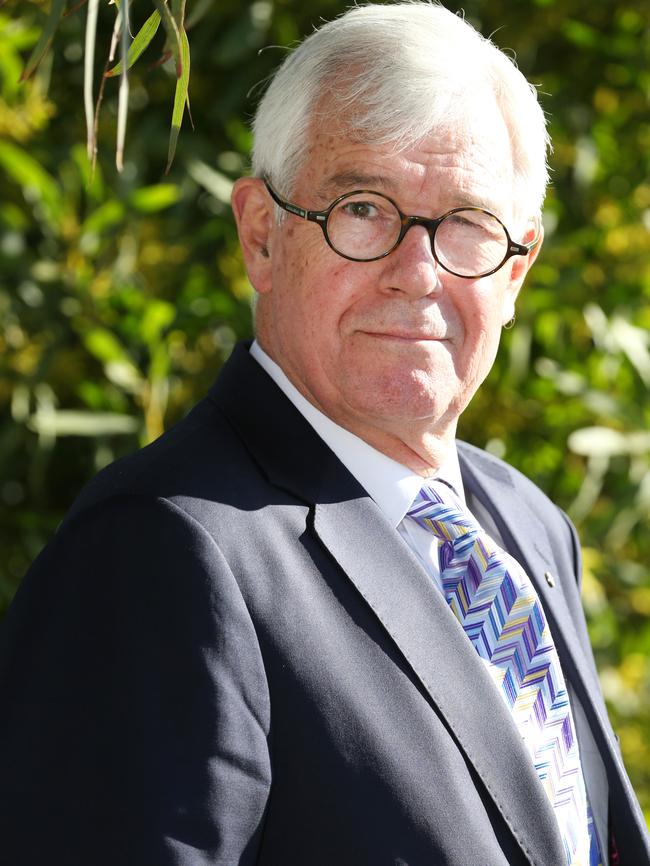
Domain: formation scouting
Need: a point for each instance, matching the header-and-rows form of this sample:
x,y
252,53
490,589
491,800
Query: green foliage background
x,y
121,295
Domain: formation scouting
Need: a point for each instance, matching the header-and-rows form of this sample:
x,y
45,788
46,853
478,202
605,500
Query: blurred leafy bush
x,y
121,294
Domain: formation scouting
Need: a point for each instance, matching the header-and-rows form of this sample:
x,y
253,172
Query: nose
x,y
412,268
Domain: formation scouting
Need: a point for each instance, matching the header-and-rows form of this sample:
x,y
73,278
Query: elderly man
x,y
307,626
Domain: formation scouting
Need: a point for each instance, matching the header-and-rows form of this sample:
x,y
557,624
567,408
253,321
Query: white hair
x,y
395,73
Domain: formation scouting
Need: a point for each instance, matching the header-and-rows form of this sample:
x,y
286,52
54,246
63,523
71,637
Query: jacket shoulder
x,y
488,466
186,461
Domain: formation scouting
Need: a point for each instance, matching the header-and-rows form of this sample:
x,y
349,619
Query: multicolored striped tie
x,y
495,602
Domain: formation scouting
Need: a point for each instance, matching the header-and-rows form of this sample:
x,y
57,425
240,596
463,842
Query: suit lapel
x,y
390,580
417,619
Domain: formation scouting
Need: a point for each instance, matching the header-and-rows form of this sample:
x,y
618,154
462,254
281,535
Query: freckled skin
x,y
393,350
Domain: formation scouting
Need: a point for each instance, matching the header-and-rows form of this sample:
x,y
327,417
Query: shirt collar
x,y
392,485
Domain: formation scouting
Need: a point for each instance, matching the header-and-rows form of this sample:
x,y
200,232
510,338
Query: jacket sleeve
x,y
135,709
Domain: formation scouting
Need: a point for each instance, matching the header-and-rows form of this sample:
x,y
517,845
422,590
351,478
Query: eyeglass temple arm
x,y
516,249
313,215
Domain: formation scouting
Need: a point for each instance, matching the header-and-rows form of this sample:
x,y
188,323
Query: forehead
x,y
466,162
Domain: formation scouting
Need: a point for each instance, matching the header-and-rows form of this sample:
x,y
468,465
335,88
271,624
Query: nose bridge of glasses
x,y
428,224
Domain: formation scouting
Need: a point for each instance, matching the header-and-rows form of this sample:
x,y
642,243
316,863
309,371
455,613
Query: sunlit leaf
x,y
13,217
140,42
92,177
31,176
104,345
118,366
581,34
158,315
216,183
635,342
68,422
150,199
109,214
124,374
603,441
180,100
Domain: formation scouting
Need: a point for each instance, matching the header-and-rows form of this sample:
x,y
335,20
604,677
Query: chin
x,y
404,398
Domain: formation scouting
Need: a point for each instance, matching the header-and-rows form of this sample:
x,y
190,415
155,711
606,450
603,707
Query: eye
x,y
361,210
480,225
463,220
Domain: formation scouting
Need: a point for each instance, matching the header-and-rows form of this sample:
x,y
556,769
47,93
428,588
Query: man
x,y
265,639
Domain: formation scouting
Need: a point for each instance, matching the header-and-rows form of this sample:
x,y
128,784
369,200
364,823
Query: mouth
x,y
405,337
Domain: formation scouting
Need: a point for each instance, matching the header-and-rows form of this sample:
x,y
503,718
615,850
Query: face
x,y
396,347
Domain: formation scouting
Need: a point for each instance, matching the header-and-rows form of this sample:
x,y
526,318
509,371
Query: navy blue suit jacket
x,y
227,656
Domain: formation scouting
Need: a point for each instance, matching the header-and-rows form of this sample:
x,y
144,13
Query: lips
x,y
406,336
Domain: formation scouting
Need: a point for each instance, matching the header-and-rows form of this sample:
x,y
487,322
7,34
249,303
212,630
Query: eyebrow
x,y
346,181
349,180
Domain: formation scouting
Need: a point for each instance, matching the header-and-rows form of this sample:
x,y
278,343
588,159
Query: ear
x,y
519,268
253,211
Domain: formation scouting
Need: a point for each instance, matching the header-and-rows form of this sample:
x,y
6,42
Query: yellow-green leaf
x,y
104,217
150,199
158,315
142,39
30,175
104,345
180,99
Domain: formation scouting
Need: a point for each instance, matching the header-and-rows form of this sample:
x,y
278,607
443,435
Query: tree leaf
x,y
173,35
79,422
46,38
599,441
199,9
30,175
180,100
216,183
141,41
178,11
104,345
158,315
150,199
107,215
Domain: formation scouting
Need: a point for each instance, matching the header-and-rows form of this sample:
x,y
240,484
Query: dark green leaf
x,y
43,43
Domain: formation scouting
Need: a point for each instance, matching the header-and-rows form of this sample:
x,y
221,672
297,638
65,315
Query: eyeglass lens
x,y
469,242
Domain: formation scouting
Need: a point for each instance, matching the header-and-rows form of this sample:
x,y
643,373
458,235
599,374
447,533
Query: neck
x,y
420,449
418,444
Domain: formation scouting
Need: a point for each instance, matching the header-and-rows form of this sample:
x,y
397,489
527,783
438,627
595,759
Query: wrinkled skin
x,y
392,350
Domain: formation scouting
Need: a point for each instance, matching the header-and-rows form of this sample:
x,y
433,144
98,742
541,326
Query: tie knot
x,y
437,509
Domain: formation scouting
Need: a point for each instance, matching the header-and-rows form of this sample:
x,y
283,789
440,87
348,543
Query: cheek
x,y
311,289
482,316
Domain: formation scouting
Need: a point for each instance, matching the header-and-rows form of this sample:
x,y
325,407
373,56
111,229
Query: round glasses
x,y
364,226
